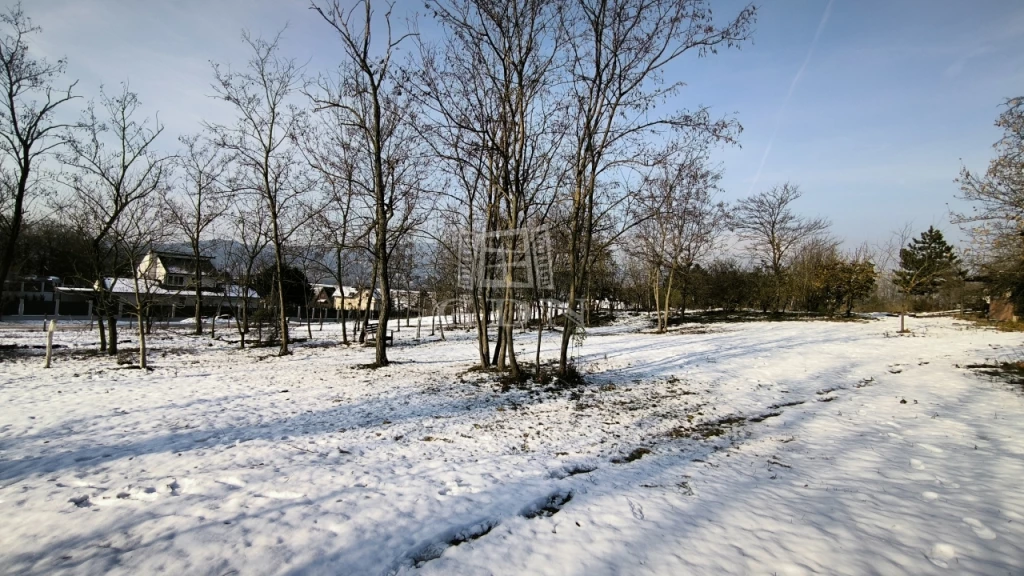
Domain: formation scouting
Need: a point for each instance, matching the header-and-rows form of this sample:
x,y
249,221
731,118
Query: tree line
x,y
416,162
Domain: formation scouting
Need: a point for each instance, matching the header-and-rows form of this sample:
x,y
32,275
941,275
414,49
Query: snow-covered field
x,y
774,448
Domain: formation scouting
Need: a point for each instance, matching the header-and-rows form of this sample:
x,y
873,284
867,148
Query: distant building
x,y
167,284
30,296
323,296
178,270
348,298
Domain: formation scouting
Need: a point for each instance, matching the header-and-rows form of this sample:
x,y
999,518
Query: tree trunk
x,y
668,298
341,288
509,327
656,286
419,317
381,353
408,303
583,206
499,348
7,260
567,332
243,327
111,333
382,225
369,303
540,336
139,313
574,233
480,309
103,331
199,289
279,267
508,307
243,324
682,291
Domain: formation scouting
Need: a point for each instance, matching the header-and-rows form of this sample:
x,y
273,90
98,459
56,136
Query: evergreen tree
x,y
296,286
925,264
859,282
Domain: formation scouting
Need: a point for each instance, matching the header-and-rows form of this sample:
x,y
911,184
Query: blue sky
x,y
894,95
891,98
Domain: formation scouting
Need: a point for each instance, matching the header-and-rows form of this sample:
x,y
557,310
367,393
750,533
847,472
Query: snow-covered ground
x,y
774,448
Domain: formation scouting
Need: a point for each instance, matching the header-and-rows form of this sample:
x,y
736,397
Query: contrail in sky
x,y
789,94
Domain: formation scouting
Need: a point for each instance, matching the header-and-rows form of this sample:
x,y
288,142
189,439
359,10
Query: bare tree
x,y
307,250
262,143
204,198
452,89
887,257
618,54
113,167
339,232
998,194
250,226
490,88
685,224
142,226
340,223
654,245
29,130
772,230
370,101
996,219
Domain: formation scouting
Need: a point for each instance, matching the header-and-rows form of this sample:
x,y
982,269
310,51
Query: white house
x,y
178,270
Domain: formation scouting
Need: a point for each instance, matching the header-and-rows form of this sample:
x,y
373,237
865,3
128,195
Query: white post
x,y
49,341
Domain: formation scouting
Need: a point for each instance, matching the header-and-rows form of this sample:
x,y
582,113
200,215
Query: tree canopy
x,y
925,264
